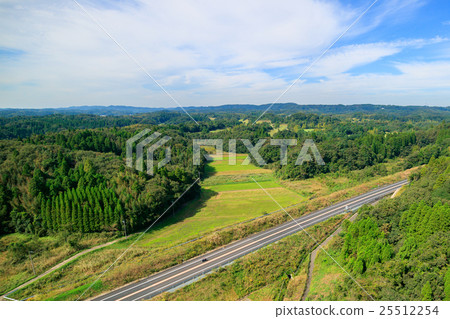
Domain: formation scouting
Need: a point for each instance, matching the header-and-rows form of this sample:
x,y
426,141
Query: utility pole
x,y
124,227
31,260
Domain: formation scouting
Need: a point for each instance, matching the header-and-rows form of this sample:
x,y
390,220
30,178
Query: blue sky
x,y
215,52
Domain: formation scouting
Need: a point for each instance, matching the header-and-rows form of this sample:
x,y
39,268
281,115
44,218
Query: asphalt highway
x,y
198,266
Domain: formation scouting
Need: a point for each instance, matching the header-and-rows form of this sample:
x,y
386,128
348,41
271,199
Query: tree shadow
x,y
184,211
210,170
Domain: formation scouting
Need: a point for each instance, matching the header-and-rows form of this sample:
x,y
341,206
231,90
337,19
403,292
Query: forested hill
x,y
284,108
15,123
399,249
112,110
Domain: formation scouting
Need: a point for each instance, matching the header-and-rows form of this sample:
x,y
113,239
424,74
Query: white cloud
x,y
203,52
345,58
348,57
66,52
384,13
417,84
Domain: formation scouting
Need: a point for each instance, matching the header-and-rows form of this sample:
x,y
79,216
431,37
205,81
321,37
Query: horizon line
x,y
213,106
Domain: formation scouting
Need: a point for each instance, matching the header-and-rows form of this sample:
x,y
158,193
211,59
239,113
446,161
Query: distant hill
x,y
112,110
279,108
290,108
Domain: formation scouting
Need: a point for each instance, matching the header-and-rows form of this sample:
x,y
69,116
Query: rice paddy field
x,y
229,195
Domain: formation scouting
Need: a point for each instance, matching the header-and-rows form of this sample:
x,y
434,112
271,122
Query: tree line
x,y
90,209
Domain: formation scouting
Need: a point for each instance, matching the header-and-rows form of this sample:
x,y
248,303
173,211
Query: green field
x,y
216,210
242,186
223,167
224,200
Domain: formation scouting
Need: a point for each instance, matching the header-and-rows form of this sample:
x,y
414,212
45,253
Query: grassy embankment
x,y
326,274
16,268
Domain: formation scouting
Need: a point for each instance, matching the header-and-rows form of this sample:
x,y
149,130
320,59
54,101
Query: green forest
x,y
402,244
75,181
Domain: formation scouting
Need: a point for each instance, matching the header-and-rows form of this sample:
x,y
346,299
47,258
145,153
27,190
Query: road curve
x,y
195,267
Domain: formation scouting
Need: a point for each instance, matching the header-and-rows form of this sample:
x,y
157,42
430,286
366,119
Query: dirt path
x,y
314,255
5,296
396,192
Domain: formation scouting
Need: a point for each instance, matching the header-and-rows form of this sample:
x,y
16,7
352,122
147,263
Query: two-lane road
x,y
189,270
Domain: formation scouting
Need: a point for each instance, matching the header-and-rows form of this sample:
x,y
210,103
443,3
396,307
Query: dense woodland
x,y
402,244
76,181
